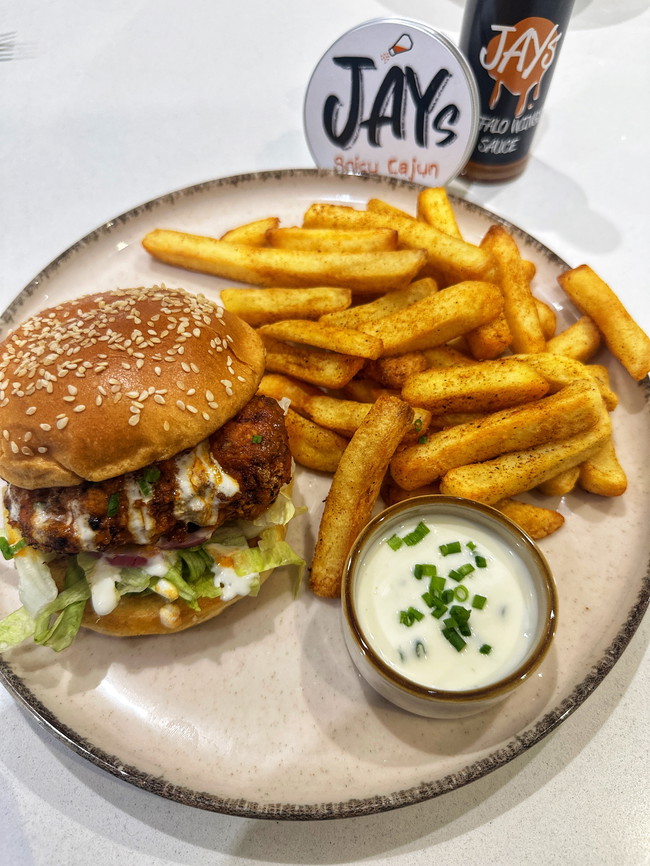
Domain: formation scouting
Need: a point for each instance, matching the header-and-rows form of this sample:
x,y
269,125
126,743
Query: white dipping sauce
x,y
420,652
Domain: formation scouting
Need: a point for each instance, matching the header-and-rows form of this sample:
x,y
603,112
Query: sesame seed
x,y
5,434
27,436
194,368
62,423
191,392
132,394
191,409
69,398
180,404
14,448
27,451
134,410
209,396
46,427
42,449
159,399
30,411
72,390
133,420
185,367
213,405
79,408
98,401
157,371
165,425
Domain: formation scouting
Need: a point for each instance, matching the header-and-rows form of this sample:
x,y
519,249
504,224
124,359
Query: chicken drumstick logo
x,y
518,57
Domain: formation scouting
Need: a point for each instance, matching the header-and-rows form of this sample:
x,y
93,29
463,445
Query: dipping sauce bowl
x,y
447,606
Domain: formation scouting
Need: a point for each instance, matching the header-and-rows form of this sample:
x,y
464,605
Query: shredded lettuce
x,y
15,628
53,618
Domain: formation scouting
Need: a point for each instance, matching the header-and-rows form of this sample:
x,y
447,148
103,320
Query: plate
x,y
260,713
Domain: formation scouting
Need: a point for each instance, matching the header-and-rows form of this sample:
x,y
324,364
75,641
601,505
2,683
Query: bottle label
x,y
513,64
395,98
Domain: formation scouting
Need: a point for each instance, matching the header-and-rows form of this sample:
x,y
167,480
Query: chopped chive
x,y
113,504
452,547
447,596
145,487
437,584
429,599
420,649
394,542
416,536
417,425
481,561
152,474
409,616
454,638
10,550
439,612
478,602
422,440
462,571
256,439
424,569
461,592
471,545
486,649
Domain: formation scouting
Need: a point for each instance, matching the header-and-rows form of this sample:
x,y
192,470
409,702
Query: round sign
x,y
396,98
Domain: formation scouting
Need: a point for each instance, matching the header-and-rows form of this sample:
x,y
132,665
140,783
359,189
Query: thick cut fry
x,y
346,341
279,387
558,370
251,234
536,522
490,340
455,259
354,491
519,308
510,474
581,340
393,372
333,240
345,416
264,306
602,473
561,484
447,356
325,369
313,446
388,303
624,338
547,318
453,419
435,208
600,374
482,387
438,318
576,408
261,266
365,391
392,492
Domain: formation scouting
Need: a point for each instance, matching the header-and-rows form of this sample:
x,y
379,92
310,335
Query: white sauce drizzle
x,y
202,483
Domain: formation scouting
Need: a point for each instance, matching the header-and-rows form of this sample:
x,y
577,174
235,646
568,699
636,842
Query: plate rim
x,y
354,807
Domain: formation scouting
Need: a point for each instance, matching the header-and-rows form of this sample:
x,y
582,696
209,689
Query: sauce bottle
x,y
512,47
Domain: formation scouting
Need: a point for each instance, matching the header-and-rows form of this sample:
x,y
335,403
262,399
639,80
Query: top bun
x,y
111,382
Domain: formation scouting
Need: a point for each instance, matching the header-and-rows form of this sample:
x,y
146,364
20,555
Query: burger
x,y
147,484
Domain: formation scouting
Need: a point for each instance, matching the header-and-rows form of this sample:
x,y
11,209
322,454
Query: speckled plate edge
x,y
516,746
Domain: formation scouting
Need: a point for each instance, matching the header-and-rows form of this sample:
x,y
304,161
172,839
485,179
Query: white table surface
x,y
106,105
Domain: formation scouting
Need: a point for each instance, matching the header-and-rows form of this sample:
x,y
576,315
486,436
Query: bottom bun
x,y
141,615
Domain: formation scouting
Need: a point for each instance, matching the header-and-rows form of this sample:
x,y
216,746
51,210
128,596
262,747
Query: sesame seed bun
x,y
106,384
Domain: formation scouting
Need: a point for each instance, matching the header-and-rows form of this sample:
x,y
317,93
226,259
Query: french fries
x,y
437,319
519,471
413,361
265,266
482,387
347,341
575,408
316,366
354,490
312,446
251,234
595,299
333,240
264,306
520,309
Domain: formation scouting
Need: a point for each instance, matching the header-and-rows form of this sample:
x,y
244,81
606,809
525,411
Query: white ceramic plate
x,y
260,712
